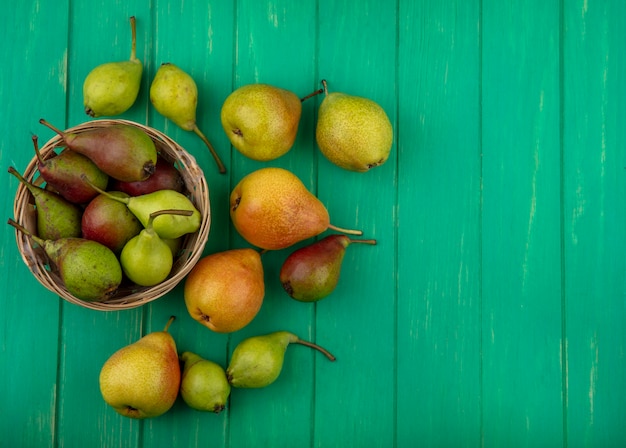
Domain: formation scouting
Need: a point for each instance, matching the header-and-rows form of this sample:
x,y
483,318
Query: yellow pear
x,y
272,209
261,121
353,132
142,379
224,291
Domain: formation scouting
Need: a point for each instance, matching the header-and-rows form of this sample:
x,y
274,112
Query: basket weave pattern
x,y
128,295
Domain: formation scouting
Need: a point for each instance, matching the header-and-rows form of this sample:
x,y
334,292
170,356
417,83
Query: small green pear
x,y
204,385
146,259
261,121
257,361
142,380
174,94
112,88
353,132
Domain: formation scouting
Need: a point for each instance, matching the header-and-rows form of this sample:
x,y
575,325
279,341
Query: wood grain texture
x,y
492,310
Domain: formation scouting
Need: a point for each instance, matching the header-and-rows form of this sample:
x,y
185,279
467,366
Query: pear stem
x,y
37,152
169,322
133,47
325,86
123,200
55,129
369,241
316,347
153,215
220,165
311,95
348,231
22,229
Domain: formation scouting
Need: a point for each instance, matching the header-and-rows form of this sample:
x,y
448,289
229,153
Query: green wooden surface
x,y
491,313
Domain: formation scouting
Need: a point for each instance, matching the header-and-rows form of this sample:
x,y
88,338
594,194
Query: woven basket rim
x,y
130,296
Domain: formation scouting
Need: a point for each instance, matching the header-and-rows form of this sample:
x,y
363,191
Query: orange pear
x,y
224,291
272,209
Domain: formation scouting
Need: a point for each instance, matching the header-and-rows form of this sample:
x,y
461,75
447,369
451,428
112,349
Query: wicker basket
x,y
128,295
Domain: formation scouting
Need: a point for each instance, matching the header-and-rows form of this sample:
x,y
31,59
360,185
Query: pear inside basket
x,y
128,294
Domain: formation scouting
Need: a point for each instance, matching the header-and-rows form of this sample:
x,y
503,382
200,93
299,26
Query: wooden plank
x,y
521,252
89,337
356,394
31,87
198,38
274,45
439,225
594,221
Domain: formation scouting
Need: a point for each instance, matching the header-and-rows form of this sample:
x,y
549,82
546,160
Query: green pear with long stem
x,y
89,270
312,272
167,225
203,385
174,94
146,259
112,88
142,380
258,361
56,216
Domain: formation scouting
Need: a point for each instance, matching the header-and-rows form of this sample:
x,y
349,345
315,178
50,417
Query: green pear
x,y
257,361
312,272
261,121
56,216
89,270
112,88
146,259
142,380
204,385
353,132
174,94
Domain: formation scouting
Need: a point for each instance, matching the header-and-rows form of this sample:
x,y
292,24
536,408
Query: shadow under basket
x,y
128,295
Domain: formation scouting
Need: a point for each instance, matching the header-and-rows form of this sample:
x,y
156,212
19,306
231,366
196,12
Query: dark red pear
x,y
165,177
63,172
122,151
312,272
56,216
110,222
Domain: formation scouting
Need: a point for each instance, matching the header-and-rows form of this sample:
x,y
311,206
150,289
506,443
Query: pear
x,y
168,225
146,259
353,132
224,291
203,385
122,151
272,209
257,361
89,270
109,222
312,272
62,172
112,88
261,121
165,177
142,379
56,216
174,94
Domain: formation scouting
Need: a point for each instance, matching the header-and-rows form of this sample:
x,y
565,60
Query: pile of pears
x,y
110,210
144,379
